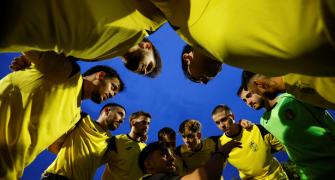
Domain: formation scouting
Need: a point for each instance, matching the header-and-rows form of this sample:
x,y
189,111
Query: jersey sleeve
x,y
270,140
50,63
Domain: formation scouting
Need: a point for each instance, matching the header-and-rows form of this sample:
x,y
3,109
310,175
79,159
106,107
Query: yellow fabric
x,y
179,165
196,159
36,108
318,91
123,164
97,30
82,151
268,37
254,159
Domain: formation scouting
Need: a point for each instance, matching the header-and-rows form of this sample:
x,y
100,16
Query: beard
x,y
112,126
134,59
95,97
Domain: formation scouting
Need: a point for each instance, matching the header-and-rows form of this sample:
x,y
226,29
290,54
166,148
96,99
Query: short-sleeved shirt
x,y
36,108
267,37
82,151
312,90
195,159
123,158
97,30
308,134
255,159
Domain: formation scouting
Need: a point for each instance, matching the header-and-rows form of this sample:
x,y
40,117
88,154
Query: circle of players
x,y
286,49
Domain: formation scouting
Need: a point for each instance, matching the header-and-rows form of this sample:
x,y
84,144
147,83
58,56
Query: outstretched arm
x,y
50,62
213,168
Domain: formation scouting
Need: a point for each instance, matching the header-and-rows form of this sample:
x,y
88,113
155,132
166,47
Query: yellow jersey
x,y
317,91
194,159
99,29
82,151
37,106
267,37
123,161
254,160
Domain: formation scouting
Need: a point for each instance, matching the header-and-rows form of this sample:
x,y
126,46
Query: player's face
x,y
141,125
147,62
115,117
253,100
169,141
191,139
163,161
105,89
140,58
201,68
225,122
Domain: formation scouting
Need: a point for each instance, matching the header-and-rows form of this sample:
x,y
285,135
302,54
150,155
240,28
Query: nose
x,y
249,102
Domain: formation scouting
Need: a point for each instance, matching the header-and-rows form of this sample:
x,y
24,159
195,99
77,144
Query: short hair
x,y
190,124
220,108
245,79
110,73
138,114
239,90
187,49
145,153
112,105
165,131
135,58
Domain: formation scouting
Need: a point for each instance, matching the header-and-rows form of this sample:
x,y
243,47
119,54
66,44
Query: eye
x,y
217,122
120,114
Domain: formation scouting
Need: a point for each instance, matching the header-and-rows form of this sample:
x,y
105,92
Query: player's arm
x,y
49,62
270,140
213,168
57,145
246,124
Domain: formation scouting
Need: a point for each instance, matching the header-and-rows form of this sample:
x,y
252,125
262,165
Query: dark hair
x,y
165,131
139,113
150,148
136,57
246,76
191,124
187,49
220,108
239,91
111,105
110,73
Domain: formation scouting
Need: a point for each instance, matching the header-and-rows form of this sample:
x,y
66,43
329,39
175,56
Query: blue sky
x,y
170,98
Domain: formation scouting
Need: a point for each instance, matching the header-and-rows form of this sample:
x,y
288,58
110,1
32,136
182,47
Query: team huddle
x,y
285,48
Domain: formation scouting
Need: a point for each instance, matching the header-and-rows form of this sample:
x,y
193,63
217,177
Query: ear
x,y
187,57
100,75
145,45
106,110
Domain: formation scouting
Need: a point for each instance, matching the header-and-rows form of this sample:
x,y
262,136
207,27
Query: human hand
x,y
246,124
20,63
